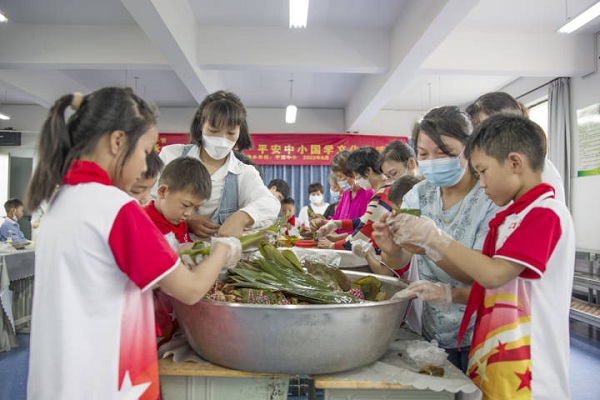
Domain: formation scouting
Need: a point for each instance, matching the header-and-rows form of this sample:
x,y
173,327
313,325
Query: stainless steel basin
x,y
295,339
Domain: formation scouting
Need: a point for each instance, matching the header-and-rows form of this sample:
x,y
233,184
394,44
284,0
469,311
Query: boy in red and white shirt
x,y
523,280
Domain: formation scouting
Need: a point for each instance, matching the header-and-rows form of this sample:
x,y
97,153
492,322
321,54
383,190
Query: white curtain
x,y
559,130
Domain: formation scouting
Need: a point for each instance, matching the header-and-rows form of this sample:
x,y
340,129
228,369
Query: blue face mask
x,y
344,185
335,196
442,172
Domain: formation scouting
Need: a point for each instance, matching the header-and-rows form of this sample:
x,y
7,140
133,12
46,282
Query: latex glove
x,y
325,243
316,223
434,292
420,232
326,229
361,248
234,249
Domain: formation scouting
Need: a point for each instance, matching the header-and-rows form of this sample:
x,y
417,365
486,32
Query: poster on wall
x,y
296,148
588,124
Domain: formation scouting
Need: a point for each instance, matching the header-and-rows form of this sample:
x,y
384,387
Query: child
x,y
10,229
523,279
279,188
288,211
365,249
142,187
316,207
99,255
182,187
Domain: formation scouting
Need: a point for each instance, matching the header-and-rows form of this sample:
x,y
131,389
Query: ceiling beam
x,y
171,27
43,87
420,29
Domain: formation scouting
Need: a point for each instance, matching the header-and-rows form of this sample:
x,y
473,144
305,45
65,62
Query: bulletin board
x,y
586,183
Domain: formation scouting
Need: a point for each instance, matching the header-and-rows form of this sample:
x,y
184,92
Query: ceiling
x,y
362,56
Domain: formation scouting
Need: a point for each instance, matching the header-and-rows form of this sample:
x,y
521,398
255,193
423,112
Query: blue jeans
x,y
459,357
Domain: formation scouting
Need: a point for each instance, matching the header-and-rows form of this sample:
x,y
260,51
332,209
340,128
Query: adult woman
x,y
451,197
239,198
398,159
500,102
363,163
354,200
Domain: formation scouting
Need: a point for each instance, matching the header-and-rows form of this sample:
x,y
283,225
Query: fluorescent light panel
x,y
298,13
4,116
3,17
290,114
581,19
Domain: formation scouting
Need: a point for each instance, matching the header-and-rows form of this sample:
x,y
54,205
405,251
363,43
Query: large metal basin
x,y
295,339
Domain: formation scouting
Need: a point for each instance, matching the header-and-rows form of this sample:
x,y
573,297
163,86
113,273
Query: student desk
x,y
16,290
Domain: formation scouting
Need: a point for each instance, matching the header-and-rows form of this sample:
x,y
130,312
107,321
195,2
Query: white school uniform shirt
x,y
303,214
254,197
92,328
551,176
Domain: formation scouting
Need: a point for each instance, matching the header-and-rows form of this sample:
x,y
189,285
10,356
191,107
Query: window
x,y
538,113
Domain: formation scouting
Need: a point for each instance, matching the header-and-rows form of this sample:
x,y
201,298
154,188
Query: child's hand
x,y
435,292
233,248
202,226
408,230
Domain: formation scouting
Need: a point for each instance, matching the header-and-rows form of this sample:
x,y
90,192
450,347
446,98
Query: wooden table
x,y
194,381
16,290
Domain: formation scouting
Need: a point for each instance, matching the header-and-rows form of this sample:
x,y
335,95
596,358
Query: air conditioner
x,y
10,138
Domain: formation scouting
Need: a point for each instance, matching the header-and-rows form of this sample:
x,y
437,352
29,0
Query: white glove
x,y
434,292
326,229
234,249
420,232
361,248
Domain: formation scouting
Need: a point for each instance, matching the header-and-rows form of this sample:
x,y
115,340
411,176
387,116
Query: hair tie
x,y
76,100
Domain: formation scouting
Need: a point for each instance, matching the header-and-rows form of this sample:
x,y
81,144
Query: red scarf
x,y
85,172
165,227
477,294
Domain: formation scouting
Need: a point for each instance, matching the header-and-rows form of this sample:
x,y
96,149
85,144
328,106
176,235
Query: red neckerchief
x,y
85,172
489,249
180,231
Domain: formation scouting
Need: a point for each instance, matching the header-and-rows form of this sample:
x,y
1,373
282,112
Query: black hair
x,y
221,109
153,166
187,174
493,103
400,187
281,186
248,161
316,186
363,158
97,114
338,163
12,203
502,134
288,200
444,121
397,151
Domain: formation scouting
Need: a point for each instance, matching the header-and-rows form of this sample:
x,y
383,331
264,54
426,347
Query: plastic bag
x,y
426,353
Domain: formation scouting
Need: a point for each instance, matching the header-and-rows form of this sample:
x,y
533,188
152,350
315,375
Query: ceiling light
x,y
298,13
4,116
573,24
3,17
290,114
291,110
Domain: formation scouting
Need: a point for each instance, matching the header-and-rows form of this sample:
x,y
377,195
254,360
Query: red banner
x,y
296,148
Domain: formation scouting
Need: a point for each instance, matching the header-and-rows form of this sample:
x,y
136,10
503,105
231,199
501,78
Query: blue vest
x,y
230,198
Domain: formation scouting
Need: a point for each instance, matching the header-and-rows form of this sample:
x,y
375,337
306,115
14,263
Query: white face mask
x,y
217,147
316,199
363,183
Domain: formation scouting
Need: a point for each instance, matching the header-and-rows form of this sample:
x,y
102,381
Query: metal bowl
x,y
294,339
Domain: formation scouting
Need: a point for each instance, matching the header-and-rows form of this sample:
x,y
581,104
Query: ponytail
x,y
53,149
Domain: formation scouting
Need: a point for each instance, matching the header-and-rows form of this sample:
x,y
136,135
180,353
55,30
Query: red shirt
x,y
165,227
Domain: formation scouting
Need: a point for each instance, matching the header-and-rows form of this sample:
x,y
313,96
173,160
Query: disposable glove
x,y
234,249
361,248
326,229
438,293
422,232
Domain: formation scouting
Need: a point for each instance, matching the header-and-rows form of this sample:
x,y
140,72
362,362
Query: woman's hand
x,y
202,226
316,223
325,244
235,224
